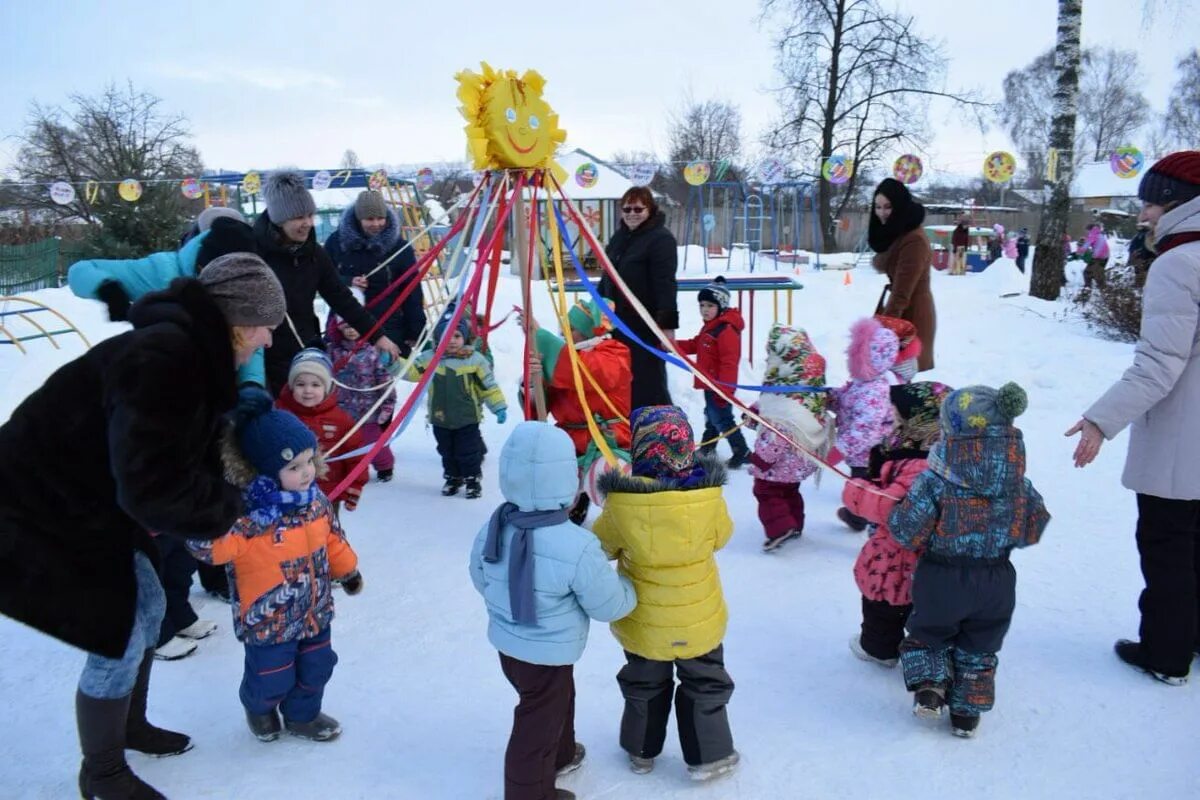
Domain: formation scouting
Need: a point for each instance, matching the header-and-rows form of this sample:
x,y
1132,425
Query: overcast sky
x,y
266,83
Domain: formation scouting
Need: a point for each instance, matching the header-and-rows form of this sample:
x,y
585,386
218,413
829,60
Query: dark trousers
x,y
1095,273
461,450
543,732
1168,540
290,676
959,617
883,628
649,374
175,568
780,507
700,700
1021,261
213,578
718,418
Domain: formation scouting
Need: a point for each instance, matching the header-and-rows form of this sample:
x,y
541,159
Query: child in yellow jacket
x,y
663,524
283,556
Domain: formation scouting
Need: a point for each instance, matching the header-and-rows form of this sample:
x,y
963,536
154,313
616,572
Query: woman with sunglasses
x,y
645,255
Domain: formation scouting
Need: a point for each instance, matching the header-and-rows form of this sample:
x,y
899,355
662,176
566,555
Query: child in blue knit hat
x,y
969,509
461,385
283,556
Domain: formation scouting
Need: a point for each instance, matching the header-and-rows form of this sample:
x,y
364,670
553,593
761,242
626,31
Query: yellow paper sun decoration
x,y
509,125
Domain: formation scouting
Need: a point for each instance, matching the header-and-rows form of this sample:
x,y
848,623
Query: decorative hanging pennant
x,y
587,175
424,178
191,188
62,192
697,173
344,175
321,180
91,191
908,168
130,190
837,169
722,167
378,180
771,171
1126,162
642,174
251,183
999,167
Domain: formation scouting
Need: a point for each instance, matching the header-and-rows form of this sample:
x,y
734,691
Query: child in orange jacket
x,y
283,556
311,396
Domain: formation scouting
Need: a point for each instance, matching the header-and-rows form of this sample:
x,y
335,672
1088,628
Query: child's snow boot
x,y
140,735
265,727
322,729
451,486
639,765
474,490
104,774
964,725
853,521
384,475
576,761
928,702
714,769
200,629
770,545
739,459
1131,653
857,648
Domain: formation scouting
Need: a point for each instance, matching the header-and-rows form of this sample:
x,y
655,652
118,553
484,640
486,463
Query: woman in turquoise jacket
x,y
119,282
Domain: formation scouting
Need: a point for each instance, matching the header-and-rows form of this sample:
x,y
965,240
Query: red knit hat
x,y
1175,178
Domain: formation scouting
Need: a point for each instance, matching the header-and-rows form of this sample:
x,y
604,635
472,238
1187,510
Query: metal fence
x,y
40,265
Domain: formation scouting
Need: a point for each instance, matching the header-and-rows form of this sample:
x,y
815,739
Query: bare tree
x,y
1048,260
856,78
1026,112
1112,108
350,160
121,133
1181,124
708,130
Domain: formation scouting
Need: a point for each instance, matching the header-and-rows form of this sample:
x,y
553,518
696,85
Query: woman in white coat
x,y
1160,397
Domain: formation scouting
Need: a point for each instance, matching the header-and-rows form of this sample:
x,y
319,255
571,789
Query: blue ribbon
x,y
664,356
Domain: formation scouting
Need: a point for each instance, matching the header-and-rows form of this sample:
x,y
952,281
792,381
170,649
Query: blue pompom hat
x,y
269,437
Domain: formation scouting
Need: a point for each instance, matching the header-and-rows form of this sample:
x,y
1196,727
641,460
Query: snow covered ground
x,y
425,708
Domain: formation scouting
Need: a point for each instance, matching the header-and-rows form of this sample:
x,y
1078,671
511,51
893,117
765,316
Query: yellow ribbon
x,y
91,191
344,175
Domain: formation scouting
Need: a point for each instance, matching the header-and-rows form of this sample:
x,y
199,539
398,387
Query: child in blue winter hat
x,y
283,556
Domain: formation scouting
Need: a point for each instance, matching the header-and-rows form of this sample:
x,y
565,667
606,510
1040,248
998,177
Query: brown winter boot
x,y
104,775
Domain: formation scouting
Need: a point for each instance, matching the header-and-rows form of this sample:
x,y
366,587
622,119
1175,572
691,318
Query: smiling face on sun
x,y
509,125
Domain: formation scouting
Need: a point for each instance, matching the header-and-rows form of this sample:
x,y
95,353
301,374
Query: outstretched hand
x,y
388,346
1089,442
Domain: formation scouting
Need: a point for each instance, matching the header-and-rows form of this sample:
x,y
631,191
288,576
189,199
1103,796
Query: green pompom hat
x,y
974,408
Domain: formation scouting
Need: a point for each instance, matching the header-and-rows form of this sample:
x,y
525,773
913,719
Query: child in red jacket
x,y
311,396
718,351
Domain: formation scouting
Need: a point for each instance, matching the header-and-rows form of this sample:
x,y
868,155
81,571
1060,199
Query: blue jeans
x,y
289,675
718,418
110,678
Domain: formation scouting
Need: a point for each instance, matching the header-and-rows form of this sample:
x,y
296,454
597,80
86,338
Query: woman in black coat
x,y
368,235
122,441
287,242
645,256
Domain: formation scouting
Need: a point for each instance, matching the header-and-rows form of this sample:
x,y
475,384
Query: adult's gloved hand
x,y
113,296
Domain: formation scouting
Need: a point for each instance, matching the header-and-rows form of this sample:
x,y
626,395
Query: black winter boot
x,y
265,727
451,486
474,490
104,775
140,735
322,729
741,451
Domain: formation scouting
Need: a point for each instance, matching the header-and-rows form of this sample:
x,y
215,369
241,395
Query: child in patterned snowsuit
x,y
359,377
283,556
884,569
864,413
969,509
777,466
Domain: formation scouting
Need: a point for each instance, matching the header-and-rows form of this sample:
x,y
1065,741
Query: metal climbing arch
x,y
26,316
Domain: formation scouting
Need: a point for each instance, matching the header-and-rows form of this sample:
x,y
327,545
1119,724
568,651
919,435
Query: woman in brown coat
x,y
904,255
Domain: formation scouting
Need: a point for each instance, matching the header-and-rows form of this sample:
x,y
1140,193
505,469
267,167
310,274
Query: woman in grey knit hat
x,y
122,441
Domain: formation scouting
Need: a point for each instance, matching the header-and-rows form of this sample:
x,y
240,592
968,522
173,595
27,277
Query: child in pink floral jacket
x,y
364,378
864,412
884,569
777,466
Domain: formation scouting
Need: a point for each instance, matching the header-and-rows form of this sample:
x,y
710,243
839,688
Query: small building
x,y
1095,186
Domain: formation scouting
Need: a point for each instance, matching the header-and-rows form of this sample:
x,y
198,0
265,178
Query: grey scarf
x,y
520,561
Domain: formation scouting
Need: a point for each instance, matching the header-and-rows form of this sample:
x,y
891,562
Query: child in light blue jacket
x,y
542,577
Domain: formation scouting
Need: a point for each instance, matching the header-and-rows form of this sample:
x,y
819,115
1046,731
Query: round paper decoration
x,y
642,174
251,183
321,181
424,178
130,190
191,188
378,179
597,468
908,168
587,174
697,172
999,166
62,192
771,171
837,169
1126,162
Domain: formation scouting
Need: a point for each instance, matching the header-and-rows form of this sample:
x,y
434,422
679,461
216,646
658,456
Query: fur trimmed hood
x,y
353,238
873,349
612,481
